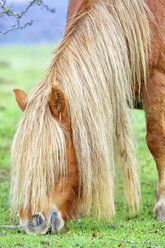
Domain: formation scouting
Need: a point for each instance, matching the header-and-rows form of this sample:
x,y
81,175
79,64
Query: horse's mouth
x,y
39,225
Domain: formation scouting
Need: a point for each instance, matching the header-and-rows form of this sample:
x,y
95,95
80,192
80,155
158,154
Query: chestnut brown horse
x,y
76,129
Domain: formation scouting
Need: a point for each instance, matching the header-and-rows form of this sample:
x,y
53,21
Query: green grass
x,y
22,67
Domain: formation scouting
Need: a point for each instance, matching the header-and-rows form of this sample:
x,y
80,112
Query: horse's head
x,y
44,186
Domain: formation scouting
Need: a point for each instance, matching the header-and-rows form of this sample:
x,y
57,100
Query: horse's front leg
x,y
154,105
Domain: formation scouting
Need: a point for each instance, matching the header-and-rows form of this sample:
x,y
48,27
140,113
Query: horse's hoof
x,y
56,221
159,210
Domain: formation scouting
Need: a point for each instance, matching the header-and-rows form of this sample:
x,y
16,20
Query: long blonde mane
x,y
103,55
38,154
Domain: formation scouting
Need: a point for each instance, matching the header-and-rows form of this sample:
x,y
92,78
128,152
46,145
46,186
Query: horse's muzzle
x,y
39,225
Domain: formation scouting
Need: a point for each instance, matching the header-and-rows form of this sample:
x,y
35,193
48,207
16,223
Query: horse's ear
x,y
21,97
57,102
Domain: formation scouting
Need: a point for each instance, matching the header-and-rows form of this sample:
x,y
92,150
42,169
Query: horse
x,y
76,131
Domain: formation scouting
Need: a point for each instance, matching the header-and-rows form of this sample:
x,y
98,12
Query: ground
x,y
22,67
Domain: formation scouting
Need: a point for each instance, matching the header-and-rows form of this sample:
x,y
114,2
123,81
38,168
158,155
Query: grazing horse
x,y
76,130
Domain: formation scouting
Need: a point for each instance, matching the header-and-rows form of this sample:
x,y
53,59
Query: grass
x,y
21,67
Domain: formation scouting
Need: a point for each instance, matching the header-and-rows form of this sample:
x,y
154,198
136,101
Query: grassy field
x,y
22,67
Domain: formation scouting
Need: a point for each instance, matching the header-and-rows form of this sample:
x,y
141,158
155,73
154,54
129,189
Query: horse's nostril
x,y
54,222
37,220
54,214
37,225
